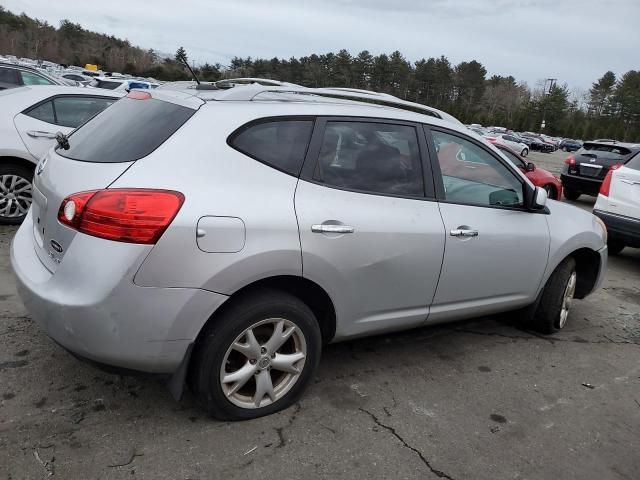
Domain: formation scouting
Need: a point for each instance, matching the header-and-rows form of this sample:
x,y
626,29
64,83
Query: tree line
x,y
610,109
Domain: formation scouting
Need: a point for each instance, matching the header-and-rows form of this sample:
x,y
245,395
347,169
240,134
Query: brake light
x,y
120,214
570,160
138,95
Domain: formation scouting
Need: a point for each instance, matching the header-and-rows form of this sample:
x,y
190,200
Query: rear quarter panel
x,y
217,180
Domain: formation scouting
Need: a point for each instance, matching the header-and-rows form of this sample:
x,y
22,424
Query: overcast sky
x,y
575,41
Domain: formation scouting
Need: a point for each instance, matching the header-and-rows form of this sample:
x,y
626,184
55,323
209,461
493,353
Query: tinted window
x,y
9,76
471,175
107,84
74,111
127,131
33,79
43,112
371,157
280,143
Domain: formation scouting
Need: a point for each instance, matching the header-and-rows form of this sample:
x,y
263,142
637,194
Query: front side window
x,y
281,144
74,111
371,157
29,78
471,175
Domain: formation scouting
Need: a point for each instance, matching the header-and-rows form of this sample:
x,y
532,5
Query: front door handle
x,y
41,134
462,232
328,228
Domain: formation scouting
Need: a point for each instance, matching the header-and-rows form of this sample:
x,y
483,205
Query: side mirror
x,y
539,200
530,167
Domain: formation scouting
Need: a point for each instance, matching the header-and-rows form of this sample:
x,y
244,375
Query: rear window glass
x,y
128,130
107,84
43,112
596,147
281,144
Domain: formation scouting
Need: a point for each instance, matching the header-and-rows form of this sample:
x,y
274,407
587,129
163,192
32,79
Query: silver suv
x,y
222,237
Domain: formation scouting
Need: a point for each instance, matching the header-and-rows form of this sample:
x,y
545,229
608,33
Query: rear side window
x,y
128,130
43,112
371,157
281,144
74,111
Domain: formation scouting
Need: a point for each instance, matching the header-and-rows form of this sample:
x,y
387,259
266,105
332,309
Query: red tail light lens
x,y
606,184
570,160
121,215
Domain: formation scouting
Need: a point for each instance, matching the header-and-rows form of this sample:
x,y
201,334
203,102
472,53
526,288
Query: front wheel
x,y
524,152
15,193
257,357
552,312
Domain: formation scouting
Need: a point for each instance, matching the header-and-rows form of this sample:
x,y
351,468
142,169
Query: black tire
x,y
614,246
216,339
571,194
552,193
18,171
546,319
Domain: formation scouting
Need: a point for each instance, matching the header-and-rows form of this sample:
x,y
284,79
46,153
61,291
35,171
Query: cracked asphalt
x,y
478,400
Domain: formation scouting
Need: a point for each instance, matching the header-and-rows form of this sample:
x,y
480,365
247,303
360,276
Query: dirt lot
x,y
479,400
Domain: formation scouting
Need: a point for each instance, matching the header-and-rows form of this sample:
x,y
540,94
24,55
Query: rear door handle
x,y
41,134
459,232
331,229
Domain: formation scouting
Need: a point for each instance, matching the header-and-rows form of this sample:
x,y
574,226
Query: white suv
x,y
618,205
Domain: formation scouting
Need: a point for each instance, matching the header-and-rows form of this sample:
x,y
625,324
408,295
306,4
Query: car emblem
x,y
56,246
593,160
41,166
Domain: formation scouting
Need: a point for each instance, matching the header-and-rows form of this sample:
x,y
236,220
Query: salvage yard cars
x,y
221,237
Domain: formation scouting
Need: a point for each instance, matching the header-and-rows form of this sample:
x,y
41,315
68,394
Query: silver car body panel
x,y
139,306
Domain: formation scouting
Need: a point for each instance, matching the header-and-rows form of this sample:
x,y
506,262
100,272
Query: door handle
x,y
331,228
41,134
461,232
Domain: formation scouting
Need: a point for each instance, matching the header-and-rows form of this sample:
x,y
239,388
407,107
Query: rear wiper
x,y
63,141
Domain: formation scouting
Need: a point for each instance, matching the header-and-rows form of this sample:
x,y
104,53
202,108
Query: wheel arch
x,y
309,292
587,270
13,160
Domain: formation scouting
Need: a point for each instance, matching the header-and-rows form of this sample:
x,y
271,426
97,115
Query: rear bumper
x,y
91,307
589,186
619,227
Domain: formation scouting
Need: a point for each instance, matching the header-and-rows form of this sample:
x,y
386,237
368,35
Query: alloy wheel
x,y
567,299
263,363
15,196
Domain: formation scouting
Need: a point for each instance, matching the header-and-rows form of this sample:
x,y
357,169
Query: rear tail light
x,y
570,160
606,184
122,215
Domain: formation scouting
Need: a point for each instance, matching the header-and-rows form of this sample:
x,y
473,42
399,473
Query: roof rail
x,y
251,92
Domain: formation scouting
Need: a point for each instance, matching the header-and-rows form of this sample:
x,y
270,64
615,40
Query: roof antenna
x,y
184,60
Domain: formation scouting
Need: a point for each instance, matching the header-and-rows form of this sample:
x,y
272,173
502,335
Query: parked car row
x,y
533,141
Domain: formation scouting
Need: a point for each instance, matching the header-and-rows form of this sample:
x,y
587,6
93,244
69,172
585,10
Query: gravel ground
x,y
478,399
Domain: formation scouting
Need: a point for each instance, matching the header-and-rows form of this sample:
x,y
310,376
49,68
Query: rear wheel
x,y
614,246
15,193
552,312
257,357
571,194
524,152
551,191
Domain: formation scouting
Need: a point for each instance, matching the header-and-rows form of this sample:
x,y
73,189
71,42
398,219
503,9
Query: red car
x,y
538,176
